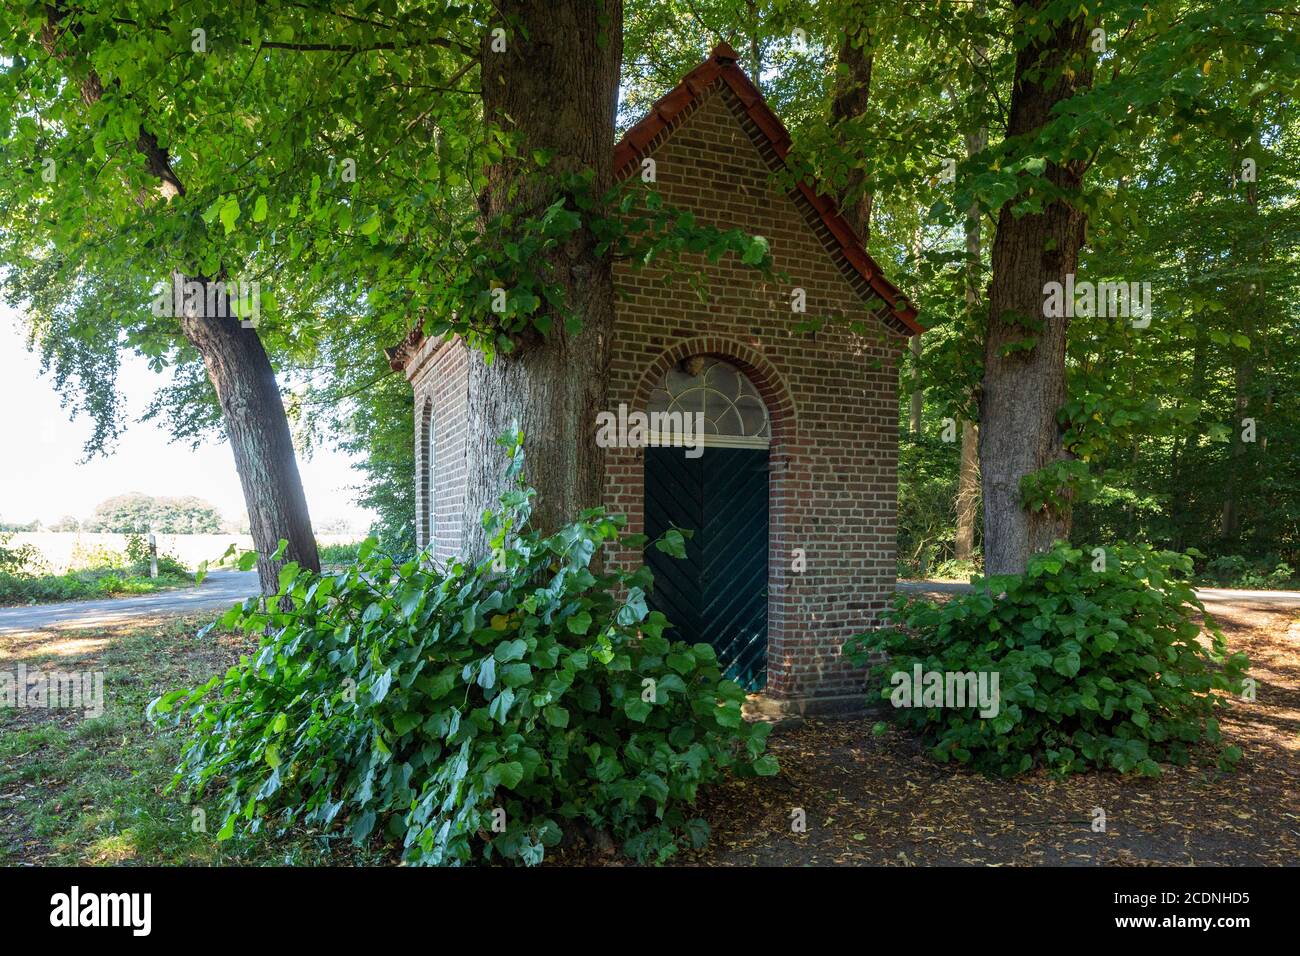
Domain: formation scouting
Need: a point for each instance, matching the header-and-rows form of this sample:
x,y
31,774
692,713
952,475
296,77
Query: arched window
x,y
431,477
734,414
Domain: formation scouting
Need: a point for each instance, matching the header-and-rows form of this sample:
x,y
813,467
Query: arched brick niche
x,y
424,483
626,486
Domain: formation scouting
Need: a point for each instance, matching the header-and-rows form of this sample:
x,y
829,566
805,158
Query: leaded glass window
x,y
734,412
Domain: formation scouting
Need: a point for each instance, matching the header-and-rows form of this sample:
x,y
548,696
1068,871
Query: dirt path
x,y
879,800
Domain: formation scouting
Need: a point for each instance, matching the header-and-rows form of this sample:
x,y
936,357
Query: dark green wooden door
x,y
718,594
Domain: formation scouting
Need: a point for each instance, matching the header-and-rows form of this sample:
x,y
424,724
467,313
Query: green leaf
x,y
510,650
227,828
637,710
507,774
229,213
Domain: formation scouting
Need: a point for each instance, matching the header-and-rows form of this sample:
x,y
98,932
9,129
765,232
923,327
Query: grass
x,y
77,791
84,791
97,572
20,589
334,555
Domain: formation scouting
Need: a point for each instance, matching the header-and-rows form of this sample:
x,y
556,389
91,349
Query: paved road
x,y
219,590
223,588
1207,595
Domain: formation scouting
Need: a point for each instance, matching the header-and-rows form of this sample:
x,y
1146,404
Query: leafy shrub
x,y
1235,571
927,494
1097,668
139,560
339,553
958,569
474,710
96,557
20,559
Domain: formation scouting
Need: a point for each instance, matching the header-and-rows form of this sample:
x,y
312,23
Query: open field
x,y
59,548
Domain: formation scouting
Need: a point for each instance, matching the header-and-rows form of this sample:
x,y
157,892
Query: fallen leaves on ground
x,y
882,801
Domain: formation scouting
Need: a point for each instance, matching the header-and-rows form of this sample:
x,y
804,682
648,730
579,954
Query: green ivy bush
x,y
1235,571
1099,665
475,711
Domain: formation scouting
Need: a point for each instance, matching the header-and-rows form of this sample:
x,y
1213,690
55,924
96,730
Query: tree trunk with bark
x,y
555,86
968,491
852,95
1024,388
1243,372
968,471
240,372
917,409
258,430
755,43
1243,378
1178,470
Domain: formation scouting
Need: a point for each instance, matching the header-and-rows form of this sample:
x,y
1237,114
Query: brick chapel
x,y
793,499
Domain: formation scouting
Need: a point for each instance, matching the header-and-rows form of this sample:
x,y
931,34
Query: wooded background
x,y
374,165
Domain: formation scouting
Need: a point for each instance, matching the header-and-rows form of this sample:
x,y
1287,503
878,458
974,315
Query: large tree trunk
x,y
258,429
1023,389
1178,472
555,85
917,409
852,95
755,43
1243,377
968,491
241,374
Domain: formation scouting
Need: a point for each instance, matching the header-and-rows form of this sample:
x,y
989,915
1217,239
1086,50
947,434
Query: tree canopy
x,y
338,156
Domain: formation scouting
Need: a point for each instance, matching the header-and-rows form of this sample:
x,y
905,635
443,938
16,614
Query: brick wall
x,y
438,374
831,394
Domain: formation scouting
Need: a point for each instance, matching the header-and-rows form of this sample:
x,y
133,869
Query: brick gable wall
x,y
831,396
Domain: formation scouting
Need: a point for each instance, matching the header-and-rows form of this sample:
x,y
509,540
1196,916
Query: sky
x,y
42,474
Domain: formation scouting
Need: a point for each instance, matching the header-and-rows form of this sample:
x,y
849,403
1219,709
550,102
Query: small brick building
x,y
793,498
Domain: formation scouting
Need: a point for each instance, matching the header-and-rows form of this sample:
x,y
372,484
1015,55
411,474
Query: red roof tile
x,y
693,86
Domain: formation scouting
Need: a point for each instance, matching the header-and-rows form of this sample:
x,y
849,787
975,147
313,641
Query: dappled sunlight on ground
x,y
92,791
880,800
66,647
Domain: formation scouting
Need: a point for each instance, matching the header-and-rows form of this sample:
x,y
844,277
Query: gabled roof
x,y
721,67
672,108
